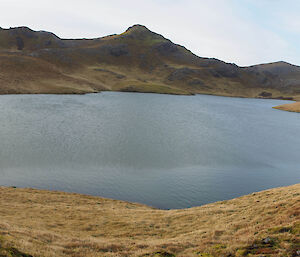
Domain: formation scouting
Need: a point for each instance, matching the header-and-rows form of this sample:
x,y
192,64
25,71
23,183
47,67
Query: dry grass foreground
x,y
293,107
45,223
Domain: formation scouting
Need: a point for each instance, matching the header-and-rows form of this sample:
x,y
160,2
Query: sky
x,y
245,32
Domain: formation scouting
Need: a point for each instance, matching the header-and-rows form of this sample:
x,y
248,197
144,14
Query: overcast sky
x,y
244,32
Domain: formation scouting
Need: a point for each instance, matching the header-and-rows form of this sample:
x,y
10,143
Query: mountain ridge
x,y
137,60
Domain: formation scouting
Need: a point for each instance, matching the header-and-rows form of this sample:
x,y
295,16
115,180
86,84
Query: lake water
x,y
161,150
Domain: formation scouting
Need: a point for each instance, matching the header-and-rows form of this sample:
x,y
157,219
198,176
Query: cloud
x,y
234,31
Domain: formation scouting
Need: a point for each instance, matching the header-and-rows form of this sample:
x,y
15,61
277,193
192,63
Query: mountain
x,y
137,60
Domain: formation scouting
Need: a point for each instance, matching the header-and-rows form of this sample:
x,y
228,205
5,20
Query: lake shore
x,y
52,223
293,107
154,90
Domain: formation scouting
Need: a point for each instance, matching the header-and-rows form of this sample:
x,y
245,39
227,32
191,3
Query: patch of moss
x,y
219,246
296,229
205,255
241,252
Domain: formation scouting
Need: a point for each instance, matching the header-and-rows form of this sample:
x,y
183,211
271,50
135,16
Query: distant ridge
x,y
137,60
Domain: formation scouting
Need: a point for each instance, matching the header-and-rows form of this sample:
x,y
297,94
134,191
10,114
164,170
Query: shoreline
x,y
137,203
52,223
159,93
290,107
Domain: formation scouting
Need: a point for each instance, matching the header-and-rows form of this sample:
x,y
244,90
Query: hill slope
x,y
136,60
43,223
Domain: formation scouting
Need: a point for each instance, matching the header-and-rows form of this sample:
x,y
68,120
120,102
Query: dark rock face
x,y
227,70
180,74
166,48
145,64
20,43
23,31
48,43
110,49
280,75
196,82
119,50
265,94
64,57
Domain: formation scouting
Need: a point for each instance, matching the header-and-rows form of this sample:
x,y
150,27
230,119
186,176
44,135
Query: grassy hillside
x,y
137,60
43,223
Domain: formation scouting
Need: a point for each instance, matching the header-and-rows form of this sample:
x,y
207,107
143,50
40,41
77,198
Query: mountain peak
x,y
137,28
141,32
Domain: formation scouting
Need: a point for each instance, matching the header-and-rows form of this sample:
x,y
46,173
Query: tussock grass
x,y
45,223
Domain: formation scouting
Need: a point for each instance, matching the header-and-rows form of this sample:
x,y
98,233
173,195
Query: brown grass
x,y
45,223
293,107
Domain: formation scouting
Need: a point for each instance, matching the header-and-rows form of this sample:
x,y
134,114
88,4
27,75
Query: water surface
x,y
161,150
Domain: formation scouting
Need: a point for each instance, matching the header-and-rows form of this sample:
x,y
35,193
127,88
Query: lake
x,y
161,150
